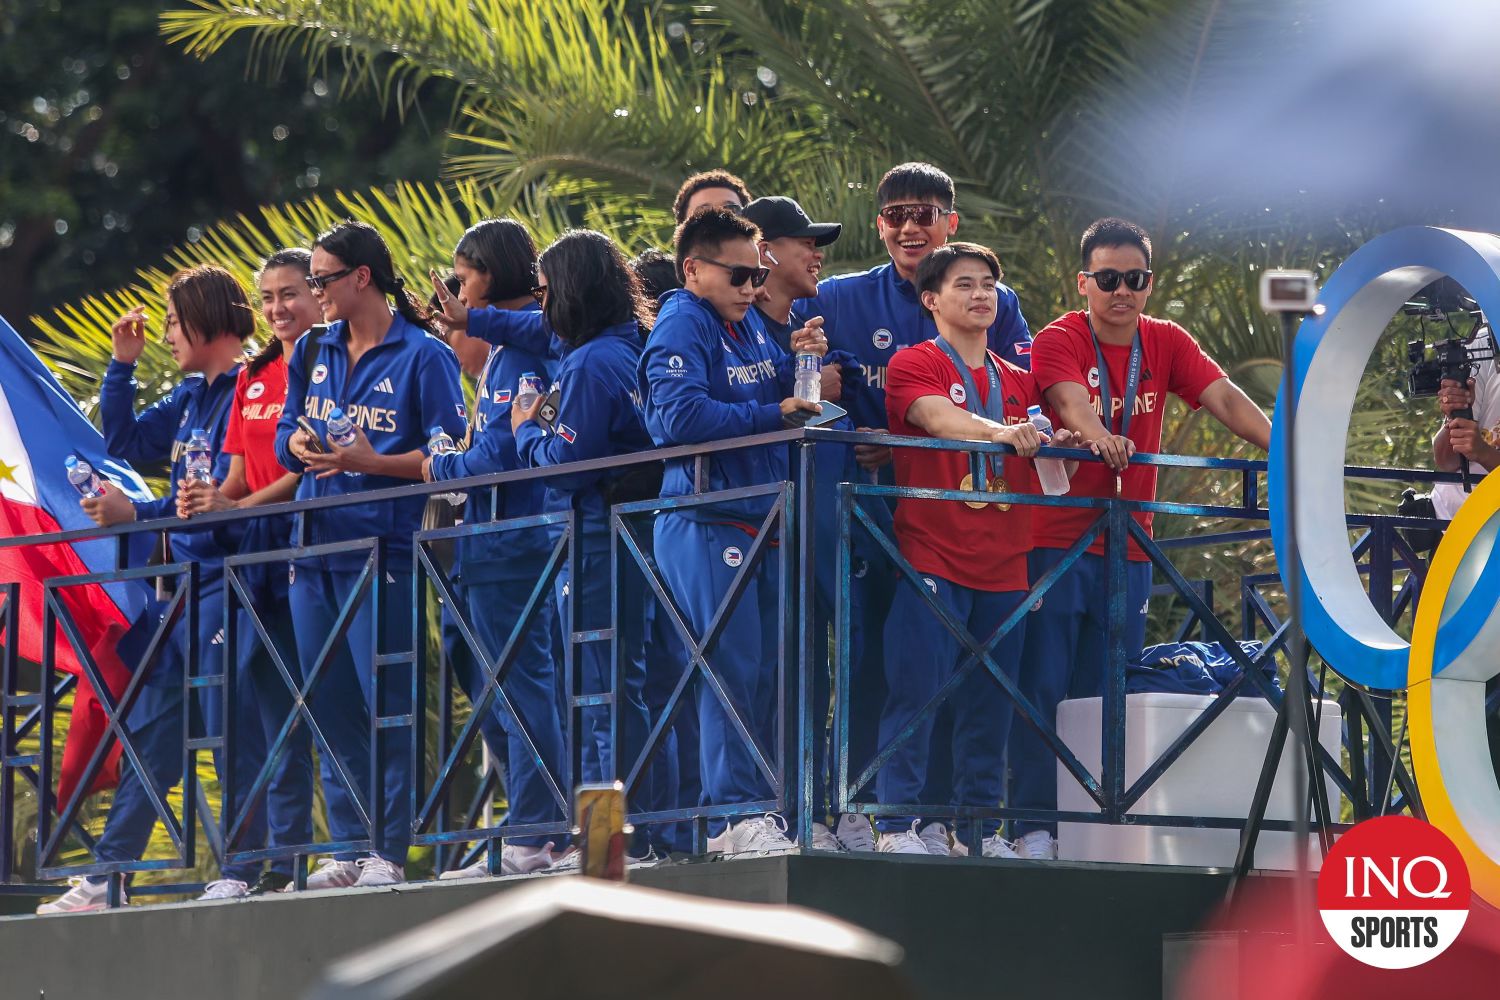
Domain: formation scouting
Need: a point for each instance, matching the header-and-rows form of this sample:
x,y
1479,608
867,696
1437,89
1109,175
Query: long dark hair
x,y
357,244
293,257
590,287
504,250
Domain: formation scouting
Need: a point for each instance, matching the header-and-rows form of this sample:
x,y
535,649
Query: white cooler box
x,y
1215,776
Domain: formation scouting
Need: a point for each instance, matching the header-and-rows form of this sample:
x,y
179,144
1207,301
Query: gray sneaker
x,y
225,888
331,874
935,836
855,834
83,897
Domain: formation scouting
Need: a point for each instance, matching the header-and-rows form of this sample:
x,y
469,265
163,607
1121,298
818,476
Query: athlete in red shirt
x,y
971,555
1144,359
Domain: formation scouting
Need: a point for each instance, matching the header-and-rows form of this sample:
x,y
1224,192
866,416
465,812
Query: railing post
x,y
1112,773
804,731
842,631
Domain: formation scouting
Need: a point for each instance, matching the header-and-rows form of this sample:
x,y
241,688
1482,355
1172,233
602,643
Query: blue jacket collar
x,y
401,329
903,287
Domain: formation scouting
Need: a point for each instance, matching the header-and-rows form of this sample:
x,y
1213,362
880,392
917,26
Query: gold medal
x,y
998,486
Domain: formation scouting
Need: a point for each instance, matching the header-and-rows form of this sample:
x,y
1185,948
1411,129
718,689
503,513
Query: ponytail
x,y
273,350
406,305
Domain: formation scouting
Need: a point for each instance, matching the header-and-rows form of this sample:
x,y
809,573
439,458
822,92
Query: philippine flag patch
x,y
1023,349
502,395
463,414
566,433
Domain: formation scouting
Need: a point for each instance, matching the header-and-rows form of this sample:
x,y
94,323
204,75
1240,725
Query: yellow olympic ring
x,y
1445,701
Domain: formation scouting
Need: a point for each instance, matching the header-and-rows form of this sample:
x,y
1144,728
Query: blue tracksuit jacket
x,y
402,386
599,414
492,448
703,379
875,313
161,431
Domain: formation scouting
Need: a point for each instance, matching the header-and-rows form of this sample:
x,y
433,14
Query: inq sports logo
x,y
1455,646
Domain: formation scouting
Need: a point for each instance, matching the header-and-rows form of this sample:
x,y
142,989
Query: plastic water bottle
x,y
1049,470
340,428
807,383
528,390
200,457
340,431
439,442
83,477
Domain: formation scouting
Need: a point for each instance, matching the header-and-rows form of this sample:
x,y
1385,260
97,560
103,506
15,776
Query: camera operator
x,y
1476,438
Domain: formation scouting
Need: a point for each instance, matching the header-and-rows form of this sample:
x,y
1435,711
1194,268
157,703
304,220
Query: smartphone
x,y
316,444
547,415
806,418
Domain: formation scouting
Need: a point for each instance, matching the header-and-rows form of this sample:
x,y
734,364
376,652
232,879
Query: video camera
x,y
1455,356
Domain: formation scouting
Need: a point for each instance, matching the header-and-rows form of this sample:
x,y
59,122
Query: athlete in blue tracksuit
x,y
162,431
531,332
400,387
704,380
498,572
598,415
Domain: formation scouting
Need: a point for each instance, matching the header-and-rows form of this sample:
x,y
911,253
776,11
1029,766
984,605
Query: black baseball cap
x,y
782,217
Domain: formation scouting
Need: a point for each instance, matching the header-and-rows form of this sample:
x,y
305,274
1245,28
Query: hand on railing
x,y
872,456
1114,449
1023,437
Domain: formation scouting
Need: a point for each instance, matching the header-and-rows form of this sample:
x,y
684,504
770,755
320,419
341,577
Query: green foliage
x,y
114,145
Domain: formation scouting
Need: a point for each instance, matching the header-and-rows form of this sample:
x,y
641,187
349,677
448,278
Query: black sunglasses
x,y
318,282
1109,279
922,215
539,292
739,273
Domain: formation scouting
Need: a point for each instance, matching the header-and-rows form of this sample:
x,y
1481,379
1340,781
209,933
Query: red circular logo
x,y
1394,892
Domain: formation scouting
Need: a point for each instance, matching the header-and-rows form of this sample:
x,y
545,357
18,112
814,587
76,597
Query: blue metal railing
x,y
785,761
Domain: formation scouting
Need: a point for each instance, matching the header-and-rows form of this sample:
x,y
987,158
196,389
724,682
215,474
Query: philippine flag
x,y
40,426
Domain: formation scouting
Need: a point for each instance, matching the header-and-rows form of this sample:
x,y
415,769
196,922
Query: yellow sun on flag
x,y
8,471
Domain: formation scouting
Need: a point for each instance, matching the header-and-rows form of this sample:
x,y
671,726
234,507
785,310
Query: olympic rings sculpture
x,y
1455,647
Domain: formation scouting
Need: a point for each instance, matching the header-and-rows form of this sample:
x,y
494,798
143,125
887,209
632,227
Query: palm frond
x,y
421,224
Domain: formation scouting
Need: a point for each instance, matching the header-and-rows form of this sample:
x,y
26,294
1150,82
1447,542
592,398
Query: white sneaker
x,y
935,836
905,842
83,897
567,862
515,859
855,834
761,835
479,869
996,846
1038,845
824,840
376,870
225,888
331,874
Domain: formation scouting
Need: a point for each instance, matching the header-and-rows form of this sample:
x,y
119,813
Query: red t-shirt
x,y
983,549
258,400
1171,361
